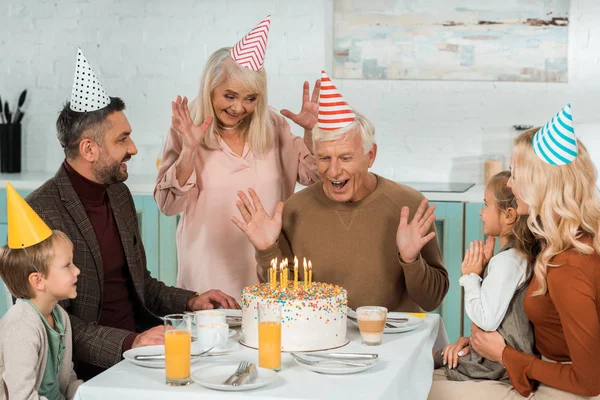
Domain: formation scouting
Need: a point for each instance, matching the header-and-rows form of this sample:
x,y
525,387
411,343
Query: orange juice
x,y
177,354
269,345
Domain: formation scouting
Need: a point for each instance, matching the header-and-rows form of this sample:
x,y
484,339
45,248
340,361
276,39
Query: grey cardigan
x,y
23,353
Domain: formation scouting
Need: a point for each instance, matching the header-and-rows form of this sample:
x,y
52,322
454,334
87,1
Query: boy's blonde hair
x,y
16,265
564,206
257,128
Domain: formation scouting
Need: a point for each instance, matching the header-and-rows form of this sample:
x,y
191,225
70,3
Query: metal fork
x,y
240,370
331,360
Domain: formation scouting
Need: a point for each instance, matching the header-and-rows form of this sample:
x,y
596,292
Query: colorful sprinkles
x,y
299,302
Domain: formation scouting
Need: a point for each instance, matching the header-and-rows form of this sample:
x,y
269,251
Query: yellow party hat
x,y
25,227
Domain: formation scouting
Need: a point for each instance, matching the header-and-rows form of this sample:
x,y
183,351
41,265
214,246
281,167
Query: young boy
x,y
35,334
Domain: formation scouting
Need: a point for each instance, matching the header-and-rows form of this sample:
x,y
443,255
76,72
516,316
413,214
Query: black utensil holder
x,y
10,147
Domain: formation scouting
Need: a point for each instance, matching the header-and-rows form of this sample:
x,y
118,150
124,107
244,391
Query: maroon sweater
x,y
117,305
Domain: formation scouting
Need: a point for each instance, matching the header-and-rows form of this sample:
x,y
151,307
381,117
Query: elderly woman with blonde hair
x,y
554,182
226,140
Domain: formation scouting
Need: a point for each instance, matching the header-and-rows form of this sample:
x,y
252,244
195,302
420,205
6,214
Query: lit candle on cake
x,y
272,273
305,273
309,273
281,275
285,274
295,272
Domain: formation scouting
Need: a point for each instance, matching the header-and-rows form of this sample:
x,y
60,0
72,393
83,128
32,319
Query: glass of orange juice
x,y
269,336
178,342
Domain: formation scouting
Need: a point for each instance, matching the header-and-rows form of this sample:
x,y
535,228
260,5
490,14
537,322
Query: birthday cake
x,y
313,314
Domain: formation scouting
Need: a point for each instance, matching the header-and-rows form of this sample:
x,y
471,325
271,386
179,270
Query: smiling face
x,y
344,166
232,102
490,215
116,149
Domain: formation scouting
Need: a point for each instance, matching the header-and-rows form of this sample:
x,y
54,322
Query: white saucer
x,y
332,368
229,346
213,376
232,333
412,324
157,349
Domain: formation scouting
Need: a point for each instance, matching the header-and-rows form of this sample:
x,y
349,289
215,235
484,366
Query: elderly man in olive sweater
x,y
361,231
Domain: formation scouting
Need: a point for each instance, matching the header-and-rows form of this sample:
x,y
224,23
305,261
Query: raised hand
x,y
488,250
307,118
262,230
411,238
191,134
474,258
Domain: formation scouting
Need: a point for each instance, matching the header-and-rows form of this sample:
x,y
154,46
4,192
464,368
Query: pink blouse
x,y
212,252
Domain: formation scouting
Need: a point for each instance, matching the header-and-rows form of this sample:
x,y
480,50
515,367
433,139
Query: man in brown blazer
x,y
118,303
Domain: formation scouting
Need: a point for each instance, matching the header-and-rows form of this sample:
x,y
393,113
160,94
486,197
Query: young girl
x,y
496,301
35,333
229,139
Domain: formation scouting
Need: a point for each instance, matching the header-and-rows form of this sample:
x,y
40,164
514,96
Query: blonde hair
x,y
257,128
520,237
364,126
16,265
563,202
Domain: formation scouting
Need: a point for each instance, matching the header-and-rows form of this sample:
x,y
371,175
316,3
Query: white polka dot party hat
x,y
87,93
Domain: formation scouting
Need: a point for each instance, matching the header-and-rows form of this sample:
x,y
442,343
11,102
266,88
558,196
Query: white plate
x,y
213,377
333,368
233,313
412,324
157,349
160,349
293,351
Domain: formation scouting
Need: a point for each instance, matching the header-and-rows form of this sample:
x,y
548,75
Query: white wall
x,y
149,51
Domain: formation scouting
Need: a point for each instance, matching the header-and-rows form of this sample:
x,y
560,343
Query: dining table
x,y
404,369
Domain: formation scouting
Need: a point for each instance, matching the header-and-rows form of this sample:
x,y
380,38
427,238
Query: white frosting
x,y
307,324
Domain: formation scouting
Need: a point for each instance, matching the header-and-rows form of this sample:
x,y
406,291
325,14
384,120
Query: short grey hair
x,y
361,123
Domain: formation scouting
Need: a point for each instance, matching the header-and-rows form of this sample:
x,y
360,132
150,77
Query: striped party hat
x,y
555,143
87,93
334,112
250,51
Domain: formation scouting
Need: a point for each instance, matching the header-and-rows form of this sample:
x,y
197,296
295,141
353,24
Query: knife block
x,y
10,147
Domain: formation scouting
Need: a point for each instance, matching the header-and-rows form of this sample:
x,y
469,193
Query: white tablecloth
x,y
404,370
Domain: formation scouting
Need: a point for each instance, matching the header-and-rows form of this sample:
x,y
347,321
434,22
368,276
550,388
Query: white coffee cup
x,y
207,317
209,335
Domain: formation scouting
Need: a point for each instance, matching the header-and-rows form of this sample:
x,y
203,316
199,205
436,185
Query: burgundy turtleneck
x,y
117,304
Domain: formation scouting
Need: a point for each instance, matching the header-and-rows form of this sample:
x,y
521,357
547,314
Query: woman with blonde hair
x,y
226,140
554,181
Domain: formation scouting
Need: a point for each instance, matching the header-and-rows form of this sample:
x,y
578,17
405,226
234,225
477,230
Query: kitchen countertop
x,y
144,185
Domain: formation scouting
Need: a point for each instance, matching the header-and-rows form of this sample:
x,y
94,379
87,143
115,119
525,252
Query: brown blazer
x,y
59,206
